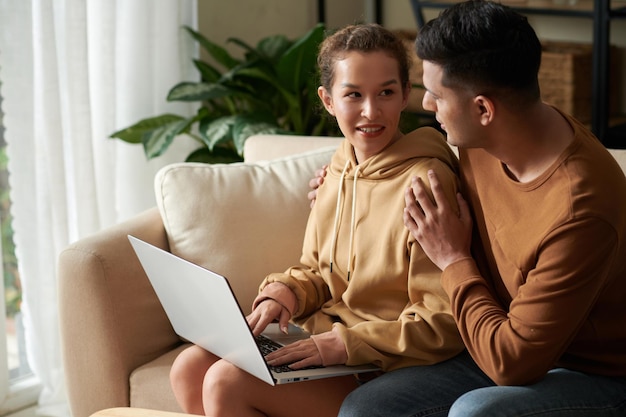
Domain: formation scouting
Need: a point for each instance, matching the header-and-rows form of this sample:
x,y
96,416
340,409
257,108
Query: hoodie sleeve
x,y
304,281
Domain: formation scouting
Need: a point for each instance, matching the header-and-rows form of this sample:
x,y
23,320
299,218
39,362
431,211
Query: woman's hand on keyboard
x,y
265,313
298,355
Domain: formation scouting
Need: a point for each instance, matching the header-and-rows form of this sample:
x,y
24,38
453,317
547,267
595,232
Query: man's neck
x,y
528,145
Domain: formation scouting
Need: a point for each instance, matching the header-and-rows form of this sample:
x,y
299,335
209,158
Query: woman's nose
x,y
370,109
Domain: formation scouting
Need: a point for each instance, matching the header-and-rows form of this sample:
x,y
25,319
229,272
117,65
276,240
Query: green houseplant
x,y
272,90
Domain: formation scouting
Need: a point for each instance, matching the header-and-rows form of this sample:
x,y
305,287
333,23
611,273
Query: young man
x,y
540,298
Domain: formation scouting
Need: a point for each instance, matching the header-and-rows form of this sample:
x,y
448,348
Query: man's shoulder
x,y
589,157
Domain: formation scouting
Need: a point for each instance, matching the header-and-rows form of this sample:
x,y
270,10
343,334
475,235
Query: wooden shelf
x,y
584,8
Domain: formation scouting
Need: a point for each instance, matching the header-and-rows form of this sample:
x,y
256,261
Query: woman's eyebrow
x,y
385,84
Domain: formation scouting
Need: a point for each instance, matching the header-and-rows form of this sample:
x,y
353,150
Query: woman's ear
x,y
486,109
327,99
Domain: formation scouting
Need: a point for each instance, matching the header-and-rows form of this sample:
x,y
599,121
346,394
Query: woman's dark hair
x,y
485,47
361,38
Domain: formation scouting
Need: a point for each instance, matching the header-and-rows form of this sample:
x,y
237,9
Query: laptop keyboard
x,y
268,346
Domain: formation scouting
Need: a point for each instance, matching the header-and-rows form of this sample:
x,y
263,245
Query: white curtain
x,y
73,72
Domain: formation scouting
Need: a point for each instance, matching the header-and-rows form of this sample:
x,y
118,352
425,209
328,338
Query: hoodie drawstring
x,y
352,221
337,209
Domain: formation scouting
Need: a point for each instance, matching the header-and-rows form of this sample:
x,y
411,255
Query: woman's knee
x,y
224,380
226,388
188,364
188,371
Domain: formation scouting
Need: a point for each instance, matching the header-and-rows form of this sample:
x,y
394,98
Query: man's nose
x,y
428,102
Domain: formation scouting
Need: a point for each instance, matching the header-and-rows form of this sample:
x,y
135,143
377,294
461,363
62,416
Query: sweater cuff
x,y
280,293
331,347
458,272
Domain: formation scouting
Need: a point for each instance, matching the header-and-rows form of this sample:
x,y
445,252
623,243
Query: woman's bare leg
x,y
230,392
187,375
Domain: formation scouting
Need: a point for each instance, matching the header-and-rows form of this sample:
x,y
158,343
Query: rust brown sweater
x,y
557,262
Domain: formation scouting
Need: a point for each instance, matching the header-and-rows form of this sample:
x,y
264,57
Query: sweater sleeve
x,y
547,311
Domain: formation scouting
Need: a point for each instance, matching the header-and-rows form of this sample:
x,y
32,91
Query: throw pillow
x,y
242,220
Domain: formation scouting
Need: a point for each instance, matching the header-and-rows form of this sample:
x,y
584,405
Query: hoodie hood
x,y
424,142
400,156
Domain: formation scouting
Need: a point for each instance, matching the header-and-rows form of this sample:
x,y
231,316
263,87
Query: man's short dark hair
x,y
485,47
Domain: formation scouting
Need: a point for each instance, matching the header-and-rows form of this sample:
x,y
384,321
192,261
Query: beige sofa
x,y
242,220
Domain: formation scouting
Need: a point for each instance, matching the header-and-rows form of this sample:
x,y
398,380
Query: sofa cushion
x,y
150,383
241,220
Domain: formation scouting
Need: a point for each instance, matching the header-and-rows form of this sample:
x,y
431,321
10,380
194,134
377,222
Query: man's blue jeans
x,y
458,388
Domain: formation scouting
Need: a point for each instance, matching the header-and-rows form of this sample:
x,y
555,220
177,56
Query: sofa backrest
x,y
620,157
268,147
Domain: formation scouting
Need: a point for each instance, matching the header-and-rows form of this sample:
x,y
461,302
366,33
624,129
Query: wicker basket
x,y
565,78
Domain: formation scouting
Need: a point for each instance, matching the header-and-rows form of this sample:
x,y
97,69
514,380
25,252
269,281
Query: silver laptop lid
x,y
194,298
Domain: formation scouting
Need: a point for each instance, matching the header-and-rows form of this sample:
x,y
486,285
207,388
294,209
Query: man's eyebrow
x,y
429,91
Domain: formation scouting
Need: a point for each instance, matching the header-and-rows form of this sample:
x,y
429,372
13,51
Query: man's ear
x,y
327,99
486,109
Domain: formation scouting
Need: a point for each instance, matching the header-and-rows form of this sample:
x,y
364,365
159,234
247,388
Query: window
x,y
18,386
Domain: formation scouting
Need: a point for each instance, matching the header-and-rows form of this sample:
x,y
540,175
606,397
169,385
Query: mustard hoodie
x,y
362,271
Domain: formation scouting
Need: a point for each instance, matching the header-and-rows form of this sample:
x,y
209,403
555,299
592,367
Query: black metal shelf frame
x,y
375,4
602,13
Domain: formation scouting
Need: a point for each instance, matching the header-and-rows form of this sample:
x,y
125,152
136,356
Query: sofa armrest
x,y
111,320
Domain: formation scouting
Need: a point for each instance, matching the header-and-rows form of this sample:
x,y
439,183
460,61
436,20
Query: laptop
x,y
203,309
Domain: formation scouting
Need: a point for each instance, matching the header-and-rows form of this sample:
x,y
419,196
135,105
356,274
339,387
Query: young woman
x,y
364,288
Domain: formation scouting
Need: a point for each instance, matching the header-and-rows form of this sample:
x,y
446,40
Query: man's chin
x,y
452,141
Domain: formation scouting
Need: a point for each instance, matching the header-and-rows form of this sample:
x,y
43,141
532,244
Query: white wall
x,y
252,20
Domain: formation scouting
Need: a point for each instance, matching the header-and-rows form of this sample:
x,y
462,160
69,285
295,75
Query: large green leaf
x,y
231,75
134,133
257,73
208,72
246,127
156,141
250,53
216,131
273,47
269,49
283,100
299,63
237,128
189,91
217,52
